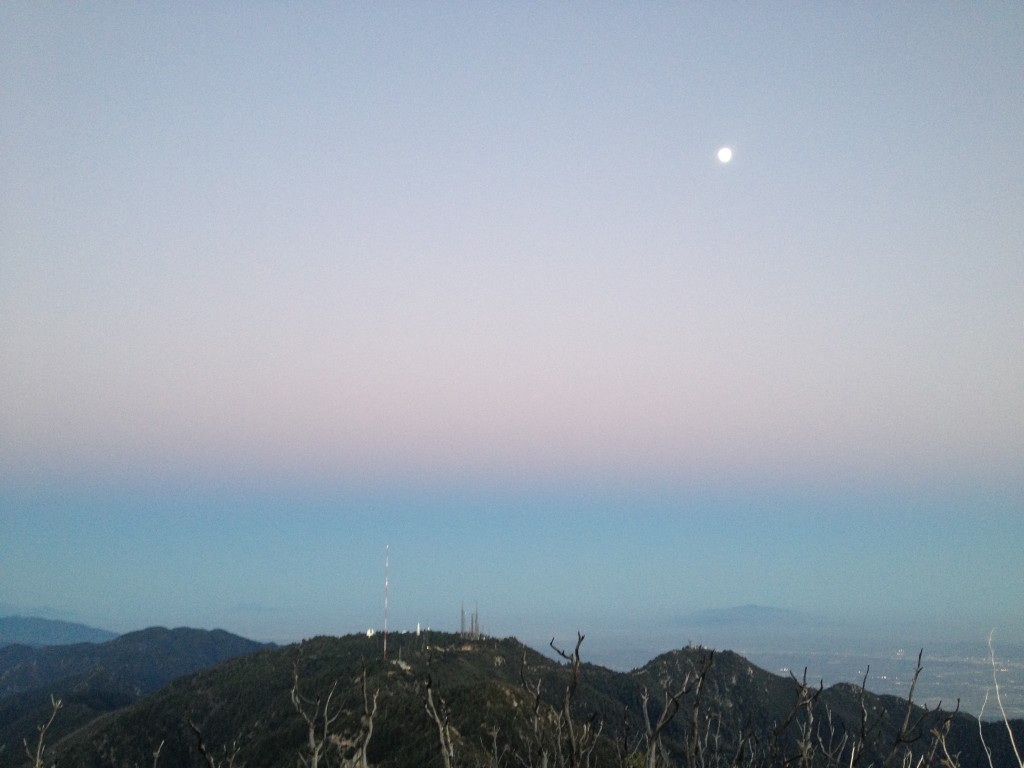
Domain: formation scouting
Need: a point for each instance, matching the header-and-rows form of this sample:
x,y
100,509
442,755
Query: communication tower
x,y
387,567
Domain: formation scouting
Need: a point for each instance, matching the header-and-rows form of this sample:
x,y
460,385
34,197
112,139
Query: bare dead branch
x,y
201,745
39,756
908,732
999,700
696,686
440,716
805,698
579,741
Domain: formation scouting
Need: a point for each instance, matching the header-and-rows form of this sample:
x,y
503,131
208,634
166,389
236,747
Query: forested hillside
x,y
92,679
444,700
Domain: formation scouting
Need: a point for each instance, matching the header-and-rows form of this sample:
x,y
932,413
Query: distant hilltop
x,y
36,632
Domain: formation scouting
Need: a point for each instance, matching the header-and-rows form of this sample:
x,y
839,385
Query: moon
x,y
724,155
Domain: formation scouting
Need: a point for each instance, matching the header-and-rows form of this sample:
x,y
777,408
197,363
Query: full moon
x,y
724,155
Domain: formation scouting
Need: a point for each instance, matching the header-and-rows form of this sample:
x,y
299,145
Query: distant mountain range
x,y
34,631
443,699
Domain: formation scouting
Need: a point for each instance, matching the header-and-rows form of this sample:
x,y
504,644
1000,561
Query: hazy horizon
x,y
748,630
956,672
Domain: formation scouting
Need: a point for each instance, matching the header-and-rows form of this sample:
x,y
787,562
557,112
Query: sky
x,y
283,285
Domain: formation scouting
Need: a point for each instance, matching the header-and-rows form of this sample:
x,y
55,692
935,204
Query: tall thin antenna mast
x,y
387,568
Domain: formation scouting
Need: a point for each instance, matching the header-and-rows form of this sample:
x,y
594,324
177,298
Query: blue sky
x,y
283,284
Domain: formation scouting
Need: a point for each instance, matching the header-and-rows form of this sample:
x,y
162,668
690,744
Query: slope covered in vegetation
x,y
443,700
92,679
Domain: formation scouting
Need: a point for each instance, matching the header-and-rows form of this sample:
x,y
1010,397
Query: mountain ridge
x,y
93,679
486,689
35,631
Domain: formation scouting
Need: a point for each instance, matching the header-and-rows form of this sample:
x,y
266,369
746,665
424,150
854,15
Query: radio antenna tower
x,y
387,567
